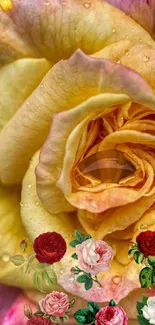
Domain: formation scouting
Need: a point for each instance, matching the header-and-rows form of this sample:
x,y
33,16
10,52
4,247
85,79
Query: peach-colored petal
x,y
37,28
140,10
17,80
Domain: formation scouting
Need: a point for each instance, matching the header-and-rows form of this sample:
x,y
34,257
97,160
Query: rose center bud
x,y
108,166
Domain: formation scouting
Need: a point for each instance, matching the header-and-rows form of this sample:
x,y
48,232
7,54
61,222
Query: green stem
x,y
88,274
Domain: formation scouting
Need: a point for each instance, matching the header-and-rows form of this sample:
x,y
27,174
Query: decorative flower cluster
x,y
93,257
144,253
55,307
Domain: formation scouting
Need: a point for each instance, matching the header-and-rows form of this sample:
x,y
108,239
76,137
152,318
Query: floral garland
x,y
93,256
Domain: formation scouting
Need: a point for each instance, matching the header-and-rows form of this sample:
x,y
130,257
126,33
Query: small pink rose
x,y
111,315
94,256
55,303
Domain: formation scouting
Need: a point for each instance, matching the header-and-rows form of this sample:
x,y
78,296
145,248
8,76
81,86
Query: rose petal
x,y
18,80
15,315
12,232
140,10
37,28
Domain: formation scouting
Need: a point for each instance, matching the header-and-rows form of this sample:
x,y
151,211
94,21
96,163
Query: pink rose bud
x,y
23,245
111,315
55,303
94,256
28,311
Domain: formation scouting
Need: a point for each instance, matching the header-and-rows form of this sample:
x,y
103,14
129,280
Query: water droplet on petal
x,y
127,53
113,30
143,226
133,29
63,3
61,271
146,59
21,204
29,185
47,3
42,86
116,279
87,4
27,103
5,258
72,279
141,40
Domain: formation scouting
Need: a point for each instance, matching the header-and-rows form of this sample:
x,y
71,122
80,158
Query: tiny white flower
x,y
149,310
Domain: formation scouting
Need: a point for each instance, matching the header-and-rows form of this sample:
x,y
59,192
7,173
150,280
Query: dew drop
x,y
126,36
63,3
127,53
133,29
27,103
5,258
113,30
87,4
116,279
71,279
143,226
61,271
37,203
21,204
141,40
29,185
146,59
47,3
42,86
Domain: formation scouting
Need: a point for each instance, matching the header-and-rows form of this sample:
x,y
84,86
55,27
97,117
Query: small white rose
x,y
149,310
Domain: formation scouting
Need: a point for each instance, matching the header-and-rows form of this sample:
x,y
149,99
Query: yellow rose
x,y
87,119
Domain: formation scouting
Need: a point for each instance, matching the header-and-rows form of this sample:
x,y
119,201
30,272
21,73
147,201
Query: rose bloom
x,y
55,303
94,256
149,310
39,321
111,316
49,247
146,243
77,120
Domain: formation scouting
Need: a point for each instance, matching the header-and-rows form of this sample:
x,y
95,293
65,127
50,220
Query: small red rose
x,y
146,243
49,247
39,321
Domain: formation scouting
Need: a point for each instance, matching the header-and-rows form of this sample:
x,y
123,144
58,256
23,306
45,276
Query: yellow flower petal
x,y
6,5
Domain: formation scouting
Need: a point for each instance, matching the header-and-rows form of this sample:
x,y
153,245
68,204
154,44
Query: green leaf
x,y
37,283
151,260
82,278
144,300
61,319
93,307
146,277
84,316
79,236
73,243
142,320
139,307
27,268
88,283
31,257
40,265
66,318
112,303
138,257
75,256
39,313
54,319
49,277
88,237
17,260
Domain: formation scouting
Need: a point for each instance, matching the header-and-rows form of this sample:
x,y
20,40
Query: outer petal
x,y
68,126
17,81
140,10
11,234
35,28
